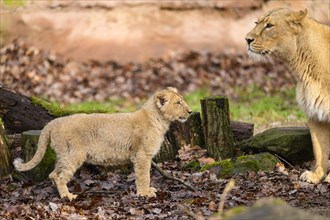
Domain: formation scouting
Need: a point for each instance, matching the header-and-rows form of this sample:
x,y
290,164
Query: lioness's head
x,y
171,105
275,34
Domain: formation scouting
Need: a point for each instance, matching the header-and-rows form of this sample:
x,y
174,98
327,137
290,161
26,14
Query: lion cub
x,y
110,139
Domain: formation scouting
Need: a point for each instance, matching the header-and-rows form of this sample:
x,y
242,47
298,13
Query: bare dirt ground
x,y
126,31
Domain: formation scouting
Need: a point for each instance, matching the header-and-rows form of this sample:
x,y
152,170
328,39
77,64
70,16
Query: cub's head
x,y
275,34
171,105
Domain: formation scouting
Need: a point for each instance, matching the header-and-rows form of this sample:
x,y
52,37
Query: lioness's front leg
x,y
320,133
142,164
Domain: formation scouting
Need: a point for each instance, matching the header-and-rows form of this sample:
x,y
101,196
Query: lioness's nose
x,y
249,40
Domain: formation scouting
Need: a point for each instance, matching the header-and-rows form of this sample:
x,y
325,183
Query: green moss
x,y
224,167
86,107
227,168
234,211
52,108
214,164
14,3
192,166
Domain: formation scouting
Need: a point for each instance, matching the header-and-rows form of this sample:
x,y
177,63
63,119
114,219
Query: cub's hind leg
x,y
65,168
320,133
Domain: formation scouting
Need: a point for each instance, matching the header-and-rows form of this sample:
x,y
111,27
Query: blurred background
x,y
113,54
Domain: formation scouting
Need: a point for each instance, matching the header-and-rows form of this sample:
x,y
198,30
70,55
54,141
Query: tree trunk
x,y
29,147
219,140
181,134
4,155
19,114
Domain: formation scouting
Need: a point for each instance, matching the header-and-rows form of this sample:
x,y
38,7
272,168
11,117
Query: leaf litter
x,y
111,194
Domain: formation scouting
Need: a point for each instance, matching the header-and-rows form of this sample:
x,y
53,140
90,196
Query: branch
x,y
167,176
230,185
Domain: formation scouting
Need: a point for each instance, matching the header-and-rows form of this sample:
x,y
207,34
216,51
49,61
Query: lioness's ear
x,y
161,99
297,16
295,19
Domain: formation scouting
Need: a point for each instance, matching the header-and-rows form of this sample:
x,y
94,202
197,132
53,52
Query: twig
x,y
230,185
186,210
167,176
284,160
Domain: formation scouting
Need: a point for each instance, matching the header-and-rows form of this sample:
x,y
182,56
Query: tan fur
x,y
303,44
110,139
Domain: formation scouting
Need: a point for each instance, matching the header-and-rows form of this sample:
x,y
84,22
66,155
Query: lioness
x,y
304,44
110,139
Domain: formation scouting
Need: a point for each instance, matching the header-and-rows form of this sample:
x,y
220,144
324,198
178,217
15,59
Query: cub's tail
x,y
42,146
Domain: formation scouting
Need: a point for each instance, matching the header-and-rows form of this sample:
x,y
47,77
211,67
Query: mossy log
x,y
241,130
29,147
4,155
267,208
293,144
247,163
19,114
180,134
219,140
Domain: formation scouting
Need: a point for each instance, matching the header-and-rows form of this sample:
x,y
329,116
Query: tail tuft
x,y
18,164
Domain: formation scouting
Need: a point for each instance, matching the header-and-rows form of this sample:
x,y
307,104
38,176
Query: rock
x,y
247,163
291,143
268,208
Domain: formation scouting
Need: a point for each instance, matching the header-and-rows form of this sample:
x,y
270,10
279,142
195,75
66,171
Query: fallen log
x,y
241,130
19,114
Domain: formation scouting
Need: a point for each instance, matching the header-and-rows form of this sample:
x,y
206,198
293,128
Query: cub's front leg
x,y
142,164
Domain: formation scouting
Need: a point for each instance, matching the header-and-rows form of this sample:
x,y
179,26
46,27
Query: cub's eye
x,y
178,103
268,25
256,23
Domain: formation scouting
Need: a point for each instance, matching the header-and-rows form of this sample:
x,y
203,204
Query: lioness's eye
x,y
268,25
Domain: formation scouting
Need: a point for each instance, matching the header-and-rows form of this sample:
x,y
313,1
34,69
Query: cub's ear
x,y
172,89
161,99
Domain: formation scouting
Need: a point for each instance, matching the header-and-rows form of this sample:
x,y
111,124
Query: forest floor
x,y
112,194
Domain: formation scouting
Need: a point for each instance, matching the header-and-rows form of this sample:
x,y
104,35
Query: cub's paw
x,y
150,192
310,177
70,196
327,179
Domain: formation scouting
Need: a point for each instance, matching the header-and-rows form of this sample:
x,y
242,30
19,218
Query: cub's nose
x,y
249,40
189,111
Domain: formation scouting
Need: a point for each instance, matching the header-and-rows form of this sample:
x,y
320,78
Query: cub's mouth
x,y
182,119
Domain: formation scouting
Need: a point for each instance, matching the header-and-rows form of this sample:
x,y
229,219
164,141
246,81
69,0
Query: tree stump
x,y
181,134
4,154
29,147
219,140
